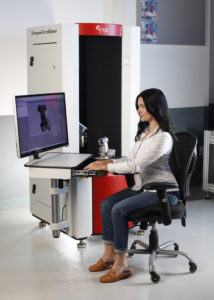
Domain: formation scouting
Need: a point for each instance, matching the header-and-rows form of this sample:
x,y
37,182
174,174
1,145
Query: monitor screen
x,y
40,123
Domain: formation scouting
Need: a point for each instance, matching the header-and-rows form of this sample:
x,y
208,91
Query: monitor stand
x,y
36,156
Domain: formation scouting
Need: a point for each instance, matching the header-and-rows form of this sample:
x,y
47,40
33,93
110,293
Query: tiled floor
x,y
33,265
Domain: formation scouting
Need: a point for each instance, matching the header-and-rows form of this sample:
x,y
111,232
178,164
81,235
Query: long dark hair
x,y
156,104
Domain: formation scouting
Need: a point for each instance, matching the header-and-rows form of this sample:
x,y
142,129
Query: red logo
x,y
102,29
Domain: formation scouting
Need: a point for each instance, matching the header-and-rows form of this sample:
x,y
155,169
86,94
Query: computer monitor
x,y
40,123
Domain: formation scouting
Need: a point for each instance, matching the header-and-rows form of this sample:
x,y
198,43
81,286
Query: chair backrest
x,y
182,160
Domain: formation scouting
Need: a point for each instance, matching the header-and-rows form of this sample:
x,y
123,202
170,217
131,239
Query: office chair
x,y
182,162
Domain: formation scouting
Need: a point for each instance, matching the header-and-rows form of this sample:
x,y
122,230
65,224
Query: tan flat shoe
x,y
112,277
100,265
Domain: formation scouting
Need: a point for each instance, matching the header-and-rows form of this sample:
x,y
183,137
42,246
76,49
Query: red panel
x,y
102,188
100,29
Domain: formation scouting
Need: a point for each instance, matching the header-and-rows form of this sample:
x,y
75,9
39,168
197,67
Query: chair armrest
x,y
161,188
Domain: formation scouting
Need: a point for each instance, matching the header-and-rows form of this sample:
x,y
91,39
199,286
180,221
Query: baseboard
x,y
197,193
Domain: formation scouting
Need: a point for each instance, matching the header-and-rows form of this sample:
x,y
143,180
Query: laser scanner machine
x,y
78,74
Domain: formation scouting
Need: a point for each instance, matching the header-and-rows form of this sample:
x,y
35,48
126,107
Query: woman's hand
x,y
98,165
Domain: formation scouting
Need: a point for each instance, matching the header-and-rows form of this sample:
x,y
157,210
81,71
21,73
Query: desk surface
x,y
61,160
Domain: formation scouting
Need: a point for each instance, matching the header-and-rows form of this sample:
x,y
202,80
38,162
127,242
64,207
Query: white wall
x,y
182,72
124,12
16,16
14,187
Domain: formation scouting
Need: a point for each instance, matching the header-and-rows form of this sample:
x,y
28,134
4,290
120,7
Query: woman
x,y
148,160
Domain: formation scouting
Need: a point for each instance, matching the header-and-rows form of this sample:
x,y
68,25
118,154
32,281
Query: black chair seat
x,y
151,215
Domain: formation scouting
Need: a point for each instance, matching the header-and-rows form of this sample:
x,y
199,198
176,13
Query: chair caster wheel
x,y
176,247
155,277
133,247
192,267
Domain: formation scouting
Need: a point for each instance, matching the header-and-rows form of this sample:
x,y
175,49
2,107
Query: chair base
x,y
154,250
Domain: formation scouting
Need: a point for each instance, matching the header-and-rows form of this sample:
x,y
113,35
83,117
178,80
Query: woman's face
x,y
145,116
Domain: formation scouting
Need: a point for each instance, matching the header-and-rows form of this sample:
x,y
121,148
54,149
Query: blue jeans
x,y
116,208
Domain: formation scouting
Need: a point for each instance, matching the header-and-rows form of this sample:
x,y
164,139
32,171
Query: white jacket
x,y
148,159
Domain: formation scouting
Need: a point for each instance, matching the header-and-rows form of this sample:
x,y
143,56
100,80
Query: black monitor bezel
x,y
36,152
